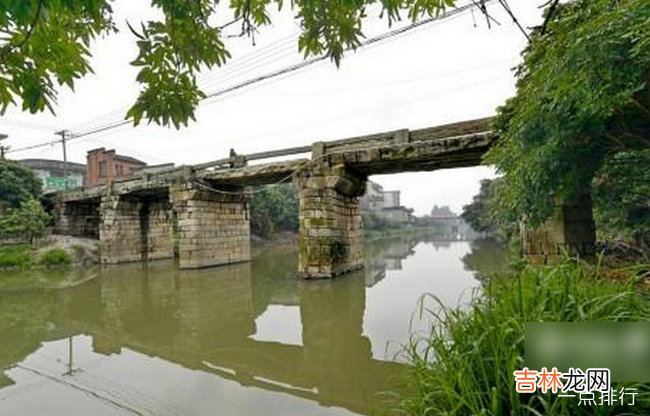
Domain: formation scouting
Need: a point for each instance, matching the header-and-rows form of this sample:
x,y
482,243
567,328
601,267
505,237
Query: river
x,y
243,339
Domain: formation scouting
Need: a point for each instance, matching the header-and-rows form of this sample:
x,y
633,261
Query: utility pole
x,y
62,133
2,148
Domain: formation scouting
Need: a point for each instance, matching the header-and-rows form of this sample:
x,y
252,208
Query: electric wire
x,y
274,74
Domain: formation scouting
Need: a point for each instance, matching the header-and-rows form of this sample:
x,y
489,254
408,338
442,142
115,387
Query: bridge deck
x,y
448,146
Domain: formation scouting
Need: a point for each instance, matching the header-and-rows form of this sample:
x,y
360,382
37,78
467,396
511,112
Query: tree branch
x,y
549,16
32,26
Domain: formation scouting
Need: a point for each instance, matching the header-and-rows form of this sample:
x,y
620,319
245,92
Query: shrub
x,y
28,221
55,257
15,256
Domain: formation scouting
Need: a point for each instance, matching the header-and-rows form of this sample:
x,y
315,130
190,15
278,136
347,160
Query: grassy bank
x,y
25,256
16,256
477,349
53,251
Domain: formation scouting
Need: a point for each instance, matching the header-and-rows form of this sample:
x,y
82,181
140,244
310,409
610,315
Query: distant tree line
x,y
275,209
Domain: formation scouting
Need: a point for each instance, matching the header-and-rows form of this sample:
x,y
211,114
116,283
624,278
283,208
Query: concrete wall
x,y
330,239
214,228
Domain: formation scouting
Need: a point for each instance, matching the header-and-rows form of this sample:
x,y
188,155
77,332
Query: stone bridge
x,y
200,213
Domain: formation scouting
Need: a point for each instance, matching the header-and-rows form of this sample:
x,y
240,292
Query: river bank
x,y
477,348
54,250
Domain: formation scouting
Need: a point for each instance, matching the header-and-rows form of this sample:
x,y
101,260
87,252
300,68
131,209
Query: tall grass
x,y
465,366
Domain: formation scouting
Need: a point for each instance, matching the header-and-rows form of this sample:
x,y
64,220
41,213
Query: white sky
x,y
445,72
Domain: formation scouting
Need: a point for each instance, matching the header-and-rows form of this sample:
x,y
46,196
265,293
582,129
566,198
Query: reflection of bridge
x,y
205,320
134,218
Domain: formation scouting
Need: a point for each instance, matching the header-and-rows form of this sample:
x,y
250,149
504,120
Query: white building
x,y
373,199
391,199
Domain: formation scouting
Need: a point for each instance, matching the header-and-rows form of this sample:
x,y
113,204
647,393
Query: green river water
x,y
244,339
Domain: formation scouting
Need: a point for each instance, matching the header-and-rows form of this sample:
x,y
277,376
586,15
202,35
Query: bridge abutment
x,y
330,236
213,225
570,230
77,218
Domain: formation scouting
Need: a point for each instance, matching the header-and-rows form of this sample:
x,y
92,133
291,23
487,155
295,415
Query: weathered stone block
x,y
214,228
570,231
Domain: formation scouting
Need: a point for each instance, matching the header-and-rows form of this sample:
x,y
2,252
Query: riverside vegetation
x,y
467,363
578,123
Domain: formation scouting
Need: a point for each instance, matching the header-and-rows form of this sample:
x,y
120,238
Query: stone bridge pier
x,y
570,230
330,237
213,224
136,227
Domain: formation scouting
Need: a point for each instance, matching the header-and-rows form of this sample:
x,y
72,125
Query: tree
x,y
274,209
622,197
476,213
486,213
28,221
47,42
21,213
582,97
18,184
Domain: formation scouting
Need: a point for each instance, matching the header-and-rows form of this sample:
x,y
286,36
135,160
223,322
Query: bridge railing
x,y
323,148
389,138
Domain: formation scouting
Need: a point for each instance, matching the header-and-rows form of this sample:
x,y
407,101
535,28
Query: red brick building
x,y
104,165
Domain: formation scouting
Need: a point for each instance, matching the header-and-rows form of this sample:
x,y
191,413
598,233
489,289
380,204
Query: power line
x,y
237,66
274,74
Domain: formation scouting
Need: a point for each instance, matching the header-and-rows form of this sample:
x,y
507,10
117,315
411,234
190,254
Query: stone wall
x,y
570,230
77,218
330,239
135,228
160,235
214,228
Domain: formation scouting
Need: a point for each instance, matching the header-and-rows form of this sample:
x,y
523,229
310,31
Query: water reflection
x,y
244,339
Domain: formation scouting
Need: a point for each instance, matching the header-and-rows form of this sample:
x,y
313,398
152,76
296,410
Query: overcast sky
x,y
447,71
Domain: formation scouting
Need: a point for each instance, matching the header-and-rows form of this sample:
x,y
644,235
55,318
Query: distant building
x,y
105,165
445,217
52,173
373,199
398,214
442,213
391,199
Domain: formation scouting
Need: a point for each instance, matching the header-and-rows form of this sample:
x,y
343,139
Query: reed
x,y
465,365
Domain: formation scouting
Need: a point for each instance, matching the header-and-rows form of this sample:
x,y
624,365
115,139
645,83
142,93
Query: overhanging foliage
x,y
582,96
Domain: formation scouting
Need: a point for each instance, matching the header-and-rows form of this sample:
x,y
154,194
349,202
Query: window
x,y
119,170
103,171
